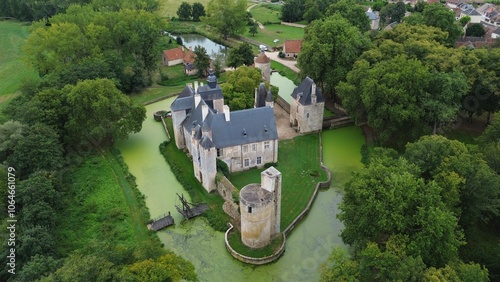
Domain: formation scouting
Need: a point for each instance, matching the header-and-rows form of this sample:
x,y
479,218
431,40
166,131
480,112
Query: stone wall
x,y
226,189
336,122
251,260
284,104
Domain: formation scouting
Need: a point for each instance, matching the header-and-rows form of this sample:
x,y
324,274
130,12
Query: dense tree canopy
x,y
293,10
242,55
201,60
101,113
329,49
239,88
184,12
198,11
84,44
352,12
228,17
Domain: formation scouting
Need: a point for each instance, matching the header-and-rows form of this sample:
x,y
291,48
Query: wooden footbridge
x,y
161,222
189,210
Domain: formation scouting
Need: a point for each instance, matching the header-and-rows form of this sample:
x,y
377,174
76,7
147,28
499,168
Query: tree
x,y
312,11
253,28
243,55
464,20
84,268
168,267
201,60
198,11
329,50
100,113
352,12
387,197
184,12
393,12
228,17
38,149
37,267
239,88
489,144
476,30
293,11
441,17
471,189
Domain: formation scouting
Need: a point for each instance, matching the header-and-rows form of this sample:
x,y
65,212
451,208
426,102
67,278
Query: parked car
x,y
263,47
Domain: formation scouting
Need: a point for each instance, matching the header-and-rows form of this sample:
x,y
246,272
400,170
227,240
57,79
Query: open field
x,y
12,68
298,162
266,13
276,31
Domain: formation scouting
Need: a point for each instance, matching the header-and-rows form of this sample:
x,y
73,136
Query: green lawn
x,y
266,14
276,31
12,68
298,162
235,242
103,208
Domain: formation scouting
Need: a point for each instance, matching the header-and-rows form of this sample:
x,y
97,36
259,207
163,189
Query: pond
x,y
285,85
213,49
308,246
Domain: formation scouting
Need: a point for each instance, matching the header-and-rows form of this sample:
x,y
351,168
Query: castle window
x,y
247,162
254,147
259,160
220,152
245,148
249,209
307,115
266,145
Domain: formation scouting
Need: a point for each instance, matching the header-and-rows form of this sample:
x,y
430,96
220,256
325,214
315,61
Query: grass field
x,y
12,68
266,14
102,209
276,31
298,162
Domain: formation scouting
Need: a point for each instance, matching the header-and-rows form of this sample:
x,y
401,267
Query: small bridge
x,y
189,210
161,222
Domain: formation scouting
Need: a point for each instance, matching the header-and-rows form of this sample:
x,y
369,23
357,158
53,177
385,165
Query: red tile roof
x,y
173,54
292,46
189,57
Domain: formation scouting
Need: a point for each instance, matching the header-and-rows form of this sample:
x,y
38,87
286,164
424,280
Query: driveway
x,y
292,64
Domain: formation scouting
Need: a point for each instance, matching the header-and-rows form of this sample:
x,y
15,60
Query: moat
x,y
309,244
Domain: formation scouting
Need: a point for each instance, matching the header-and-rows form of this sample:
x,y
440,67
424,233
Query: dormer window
x,y
244,132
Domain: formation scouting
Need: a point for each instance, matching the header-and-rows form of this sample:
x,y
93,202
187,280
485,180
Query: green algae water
x,y
308,245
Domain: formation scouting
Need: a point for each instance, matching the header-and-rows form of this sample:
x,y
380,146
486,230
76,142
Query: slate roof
x,y
269,97
182,103
497,31
208,93
292,46
258,123
471,12
261,95
304,91
173,54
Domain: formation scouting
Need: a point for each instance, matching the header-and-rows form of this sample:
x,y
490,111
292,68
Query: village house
x,y
307,107
292,48
374,19
208,130
173,56
189,58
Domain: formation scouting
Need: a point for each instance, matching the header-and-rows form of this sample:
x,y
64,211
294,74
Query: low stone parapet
x,y
252,260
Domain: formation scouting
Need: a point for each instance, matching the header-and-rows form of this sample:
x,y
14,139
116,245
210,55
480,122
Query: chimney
x,y
313,93
201,83
256,99
204,111
196,87
197,99
226,112
190,84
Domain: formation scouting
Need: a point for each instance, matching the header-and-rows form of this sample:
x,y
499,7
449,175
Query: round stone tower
x,y
264,64
256,208
260,208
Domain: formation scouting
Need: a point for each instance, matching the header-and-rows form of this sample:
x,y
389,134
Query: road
x,y
292,64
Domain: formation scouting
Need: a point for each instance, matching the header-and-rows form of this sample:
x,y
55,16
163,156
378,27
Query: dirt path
x,y
292,64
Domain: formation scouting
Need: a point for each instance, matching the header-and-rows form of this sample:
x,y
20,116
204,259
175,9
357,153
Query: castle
x,y
208,130
260,208
306,107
